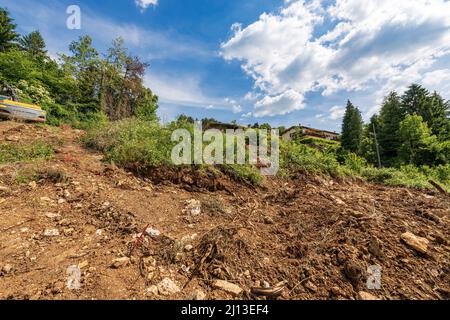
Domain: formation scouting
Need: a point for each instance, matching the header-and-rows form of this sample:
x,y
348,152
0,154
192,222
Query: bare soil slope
x,y
314,237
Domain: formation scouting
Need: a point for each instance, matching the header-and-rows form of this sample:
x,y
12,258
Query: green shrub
x,y
355,163
301,158
409,176
133,143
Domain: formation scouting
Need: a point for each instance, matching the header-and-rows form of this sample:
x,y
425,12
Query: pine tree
x,y
415,101
34,44
352,129
8,34
439,118
391,116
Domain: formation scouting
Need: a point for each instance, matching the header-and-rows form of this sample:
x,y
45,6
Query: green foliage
x,y
8,34
138,144
321,144
243,173
409,176
352,129
439,121
133,143
391,116
412,129
368,147
10,153
82,91
15,65
432,108
33,44
355,163
417,142
299,158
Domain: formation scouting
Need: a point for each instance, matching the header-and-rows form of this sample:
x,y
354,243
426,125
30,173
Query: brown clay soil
x,y
316,236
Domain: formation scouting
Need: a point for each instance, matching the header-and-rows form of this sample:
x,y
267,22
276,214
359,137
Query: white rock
x,y
362,295
7,268
152,291
228,287
51,232
167,287
188,248
198,295
53,215
193,207
417,243
153,232
120,262
4,189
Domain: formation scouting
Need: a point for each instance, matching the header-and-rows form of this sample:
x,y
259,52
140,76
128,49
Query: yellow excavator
x,y
10,109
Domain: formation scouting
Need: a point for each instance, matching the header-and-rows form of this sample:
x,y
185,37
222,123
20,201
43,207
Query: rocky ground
x,y
127,237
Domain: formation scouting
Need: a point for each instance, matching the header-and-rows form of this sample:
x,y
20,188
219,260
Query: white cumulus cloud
x,y
314,47
144,4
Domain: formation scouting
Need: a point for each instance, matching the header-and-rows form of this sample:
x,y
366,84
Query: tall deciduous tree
x,y
418,145
8,35
352,129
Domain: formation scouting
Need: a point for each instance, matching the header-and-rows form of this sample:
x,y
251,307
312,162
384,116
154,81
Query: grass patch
x,y
138,145
409,176
10,153
299,158
243,173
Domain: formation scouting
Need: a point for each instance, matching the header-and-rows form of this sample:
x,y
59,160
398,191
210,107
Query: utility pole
x,y
377,147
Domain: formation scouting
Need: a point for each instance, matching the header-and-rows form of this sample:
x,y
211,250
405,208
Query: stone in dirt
x,y
375,247
362,295
54,216
193,207
4,190
228,287
153,232
120,262
268,220
167,287
198,295
152,291
7,268
311,286
51,232
353,271
417,243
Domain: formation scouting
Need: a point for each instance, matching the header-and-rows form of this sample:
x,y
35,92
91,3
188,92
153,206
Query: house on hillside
x,y
302,131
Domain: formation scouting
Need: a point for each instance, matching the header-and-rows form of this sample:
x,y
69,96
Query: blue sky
x,y
279,61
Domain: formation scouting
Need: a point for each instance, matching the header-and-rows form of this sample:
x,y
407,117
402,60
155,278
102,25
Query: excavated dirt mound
x,y
137,237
